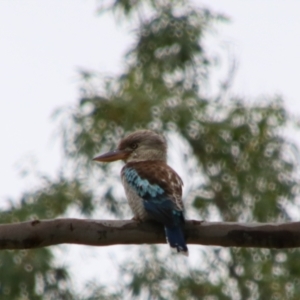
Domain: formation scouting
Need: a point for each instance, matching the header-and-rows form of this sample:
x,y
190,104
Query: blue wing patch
x,y
142,186
156,202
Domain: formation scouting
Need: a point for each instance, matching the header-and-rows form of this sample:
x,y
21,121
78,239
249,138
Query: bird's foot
x,y
136,219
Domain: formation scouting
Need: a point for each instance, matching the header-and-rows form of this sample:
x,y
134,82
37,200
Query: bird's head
x,y
141,145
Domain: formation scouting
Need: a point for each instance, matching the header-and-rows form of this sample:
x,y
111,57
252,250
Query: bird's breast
x,y
135,201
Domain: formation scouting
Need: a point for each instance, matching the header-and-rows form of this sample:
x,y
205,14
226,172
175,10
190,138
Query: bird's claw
x,y
136,219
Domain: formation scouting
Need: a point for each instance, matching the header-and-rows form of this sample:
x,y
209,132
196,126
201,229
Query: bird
x,y
153,189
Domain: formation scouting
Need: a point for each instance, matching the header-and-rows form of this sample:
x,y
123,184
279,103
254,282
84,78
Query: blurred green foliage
x,y
32,274
250,168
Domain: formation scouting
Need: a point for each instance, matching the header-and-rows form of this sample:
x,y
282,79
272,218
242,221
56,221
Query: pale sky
x,y
44,43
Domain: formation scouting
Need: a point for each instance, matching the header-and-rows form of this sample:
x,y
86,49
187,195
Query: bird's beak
x,y
112,156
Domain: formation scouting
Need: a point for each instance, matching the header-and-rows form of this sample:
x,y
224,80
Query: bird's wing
x,y
159,186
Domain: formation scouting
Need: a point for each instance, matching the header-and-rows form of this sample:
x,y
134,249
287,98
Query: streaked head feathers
x,y
141,145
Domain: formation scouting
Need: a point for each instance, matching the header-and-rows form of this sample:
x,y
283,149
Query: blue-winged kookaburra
x,y
153,189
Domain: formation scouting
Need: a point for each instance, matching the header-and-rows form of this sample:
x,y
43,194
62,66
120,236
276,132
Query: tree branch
x,y
36,234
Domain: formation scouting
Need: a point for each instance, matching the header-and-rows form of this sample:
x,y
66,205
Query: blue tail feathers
x,y
176,239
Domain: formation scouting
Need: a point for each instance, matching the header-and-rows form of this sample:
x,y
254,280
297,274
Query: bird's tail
x,y
176,239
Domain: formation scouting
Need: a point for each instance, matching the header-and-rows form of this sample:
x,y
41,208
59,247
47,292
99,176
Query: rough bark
x,y
42,233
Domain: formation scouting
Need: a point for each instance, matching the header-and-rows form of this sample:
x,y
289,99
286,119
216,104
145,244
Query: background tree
x,y
240,168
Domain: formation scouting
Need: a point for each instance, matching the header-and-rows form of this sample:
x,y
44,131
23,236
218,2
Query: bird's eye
x,y
134,146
